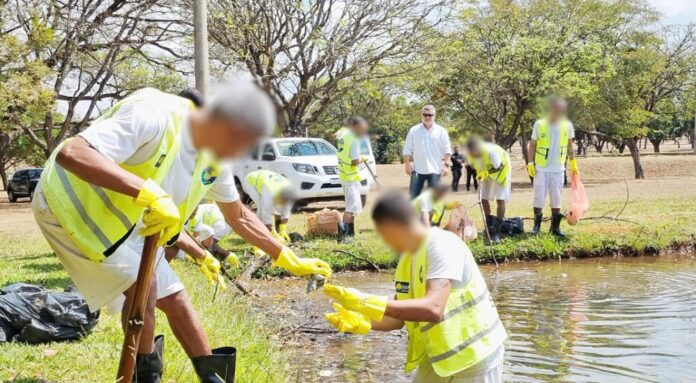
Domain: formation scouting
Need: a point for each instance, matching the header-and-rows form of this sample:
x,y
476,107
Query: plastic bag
x,y
578,200
512,226
461,224
30,313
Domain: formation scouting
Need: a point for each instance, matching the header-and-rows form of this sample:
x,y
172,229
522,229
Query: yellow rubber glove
x,y
277,236
233,259
348,321
371,305
573,165
210,267
364,159
283,231
531,169
482,175
161,214
452,204
258,252
301,266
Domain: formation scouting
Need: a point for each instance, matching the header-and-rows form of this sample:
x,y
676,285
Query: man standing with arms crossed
x,y
141,169
551,144
428,146
349,160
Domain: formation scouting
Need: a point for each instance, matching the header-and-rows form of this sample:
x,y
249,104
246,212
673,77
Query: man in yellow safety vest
x,y
430,205
550,146
141,169
454,332
349,160
273,195
493,168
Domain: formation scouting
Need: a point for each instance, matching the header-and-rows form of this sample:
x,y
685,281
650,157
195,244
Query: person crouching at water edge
x,y
493,168
273,195
430,205
454,332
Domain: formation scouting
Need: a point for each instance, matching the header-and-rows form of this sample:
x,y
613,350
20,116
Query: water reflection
x,y
605,320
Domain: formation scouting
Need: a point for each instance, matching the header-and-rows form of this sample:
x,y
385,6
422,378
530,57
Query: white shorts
x,y
351,190
426,374
548,183
101,282
217,231
491,190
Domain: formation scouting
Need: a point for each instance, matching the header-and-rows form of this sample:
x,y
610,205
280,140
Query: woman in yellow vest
x,y
430,205
349,159
454,332
139,170
493,168
550,146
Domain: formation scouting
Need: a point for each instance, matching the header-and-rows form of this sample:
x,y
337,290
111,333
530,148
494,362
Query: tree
x,y
23,98
307,54
508,55
97,52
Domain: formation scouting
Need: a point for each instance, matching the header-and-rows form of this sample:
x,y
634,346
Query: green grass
x,y
659,224
227,321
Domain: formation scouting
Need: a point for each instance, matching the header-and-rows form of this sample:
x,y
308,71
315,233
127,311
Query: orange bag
x,y
578,200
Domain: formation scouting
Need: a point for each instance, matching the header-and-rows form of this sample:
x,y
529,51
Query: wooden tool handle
x,y
136,314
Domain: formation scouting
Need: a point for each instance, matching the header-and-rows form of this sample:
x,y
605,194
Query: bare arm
x,y
430,308
81,159
387,324
189,245
571,153
531,150
249,227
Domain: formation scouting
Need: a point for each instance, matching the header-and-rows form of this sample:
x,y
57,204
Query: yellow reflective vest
x,y
498,175
541,156
275,182
208,217
438,208
470,330
346,170
99,220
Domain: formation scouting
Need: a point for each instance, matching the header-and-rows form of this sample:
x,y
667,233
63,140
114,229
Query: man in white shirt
x,y
427,152
140,170
550,146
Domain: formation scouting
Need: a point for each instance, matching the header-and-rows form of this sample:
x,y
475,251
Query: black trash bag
x,y
512,226
30,313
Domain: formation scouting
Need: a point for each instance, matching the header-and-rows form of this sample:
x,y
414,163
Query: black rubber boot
x,y
351,229
216,368
342,232
537,224
493,224
148,367
556,226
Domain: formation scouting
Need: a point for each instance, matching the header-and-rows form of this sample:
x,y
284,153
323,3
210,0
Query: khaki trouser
x,y
425,374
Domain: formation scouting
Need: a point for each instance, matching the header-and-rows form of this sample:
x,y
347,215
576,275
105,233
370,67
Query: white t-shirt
x,y
450,258
427,147
496,161
269,208
553,164
134,132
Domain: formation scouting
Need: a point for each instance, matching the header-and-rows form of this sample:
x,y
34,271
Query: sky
x,y
676,11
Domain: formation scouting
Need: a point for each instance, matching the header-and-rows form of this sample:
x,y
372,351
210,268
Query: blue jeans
x,y
418,181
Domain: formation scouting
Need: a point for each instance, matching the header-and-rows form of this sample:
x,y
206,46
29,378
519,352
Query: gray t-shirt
x,y
450,258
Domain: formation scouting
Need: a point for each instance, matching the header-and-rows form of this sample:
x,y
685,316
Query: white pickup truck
x,y
309,163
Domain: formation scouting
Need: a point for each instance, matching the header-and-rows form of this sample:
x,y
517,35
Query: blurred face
x,y
227,139
428,117
395,235
559,109
475,152
360,129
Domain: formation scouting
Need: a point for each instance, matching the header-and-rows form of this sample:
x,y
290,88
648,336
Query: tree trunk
x,y
656,145
523,144
634,146
3,176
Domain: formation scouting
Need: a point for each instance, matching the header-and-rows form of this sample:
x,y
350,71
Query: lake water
x,y
599,320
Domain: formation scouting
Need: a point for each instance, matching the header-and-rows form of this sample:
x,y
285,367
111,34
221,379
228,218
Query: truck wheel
x,y
12,196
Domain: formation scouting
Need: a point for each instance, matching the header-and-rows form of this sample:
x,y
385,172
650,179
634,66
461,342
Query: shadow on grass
x,y
44,267
30,257
53,283
29,380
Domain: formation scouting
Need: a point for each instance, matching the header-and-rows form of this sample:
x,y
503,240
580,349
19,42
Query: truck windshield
x,y
305,148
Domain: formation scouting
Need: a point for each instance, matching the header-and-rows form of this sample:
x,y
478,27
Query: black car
x,y
23,183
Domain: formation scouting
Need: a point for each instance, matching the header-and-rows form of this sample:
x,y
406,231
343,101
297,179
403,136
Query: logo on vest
x,y
209,175
401,287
